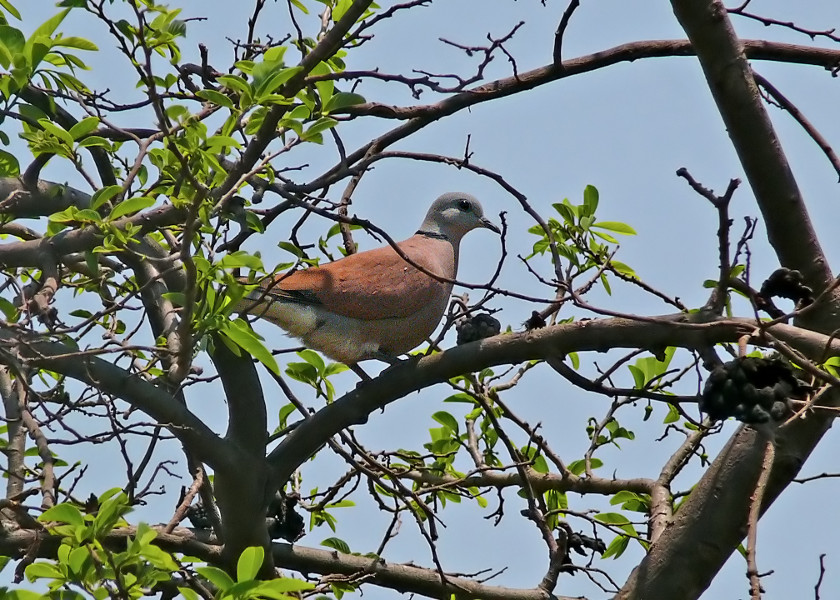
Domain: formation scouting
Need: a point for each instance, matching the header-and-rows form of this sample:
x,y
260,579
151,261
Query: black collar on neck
x,y
432,234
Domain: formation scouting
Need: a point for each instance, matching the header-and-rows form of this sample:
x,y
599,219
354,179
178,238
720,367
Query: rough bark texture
x,y
712,522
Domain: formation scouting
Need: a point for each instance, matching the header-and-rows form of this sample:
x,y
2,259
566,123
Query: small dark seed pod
x,y
779,410
757,415
730,391
766,397
717,376
782,390
750,393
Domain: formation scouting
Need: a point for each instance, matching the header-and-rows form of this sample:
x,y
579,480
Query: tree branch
x,y
653,333
729,76
56,356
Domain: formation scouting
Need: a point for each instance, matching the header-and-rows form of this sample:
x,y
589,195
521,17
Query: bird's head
x,y
454,214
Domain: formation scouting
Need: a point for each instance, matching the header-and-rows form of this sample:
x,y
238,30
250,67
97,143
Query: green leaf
x,y
9,165
616,547
325,87
240,259
84,127
112,506
565,211
218,143
243,336
215,97
145,534
612,518
578,467
283,414
22,595
298,114
590,200
314,359
447,420
48,27
673,415
461,397
103,195
235,83
12,41
63,513
131,205
189,594
9,310
217,577
275,80
639,379
334,368
72,41
95,141
342,100
340,8
277,588
42,570
615,226
56,130
623,268
7,6
302,372
336,544
322,124
78,558
249,563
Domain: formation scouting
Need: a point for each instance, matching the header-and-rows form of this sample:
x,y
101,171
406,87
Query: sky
x,y
625,129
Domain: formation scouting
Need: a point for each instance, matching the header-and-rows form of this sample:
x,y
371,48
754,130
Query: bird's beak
x,y
486,223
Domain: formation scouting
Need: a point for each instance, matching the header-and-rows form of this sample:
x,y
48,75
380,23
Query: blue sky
x,y
625,129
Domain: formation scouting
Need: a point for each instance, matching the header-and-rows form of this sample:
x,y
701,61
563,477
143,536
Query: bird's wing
x,y
376,284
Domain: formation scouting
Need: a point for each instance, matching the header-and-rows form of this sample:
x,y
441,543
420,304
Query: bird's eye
x,y
464,204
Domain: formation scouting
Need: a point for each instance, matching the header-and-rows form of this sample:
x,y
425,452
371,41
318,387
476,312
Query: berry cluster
x,y
580,543
477,328
286,523
788,283
753,390
197,515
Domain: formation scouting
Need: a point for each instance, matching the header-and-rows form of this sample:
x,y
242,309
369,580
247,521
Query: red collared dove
x,y
374,304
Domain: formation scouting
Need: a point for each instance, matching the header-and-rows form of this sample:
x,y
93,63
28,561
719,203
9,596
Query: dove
x,y
374,304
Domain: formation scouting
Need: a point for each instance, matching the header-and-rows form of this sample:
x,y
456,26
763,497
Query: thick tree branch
x,y
711,523
404,578
755,49
400,577
420,116
243,493
159,404
45,198
539,482
729,76
247,426
596,335
27,254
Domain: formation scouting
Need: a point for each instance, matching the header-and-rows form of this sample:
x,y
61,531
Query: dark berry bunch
x,y
477,328
580,543
751,389
787,283
286,522
197,515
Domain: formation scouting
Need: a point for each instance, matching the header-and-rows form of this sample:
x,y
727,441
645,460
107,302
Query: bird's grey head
x,y
454,214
